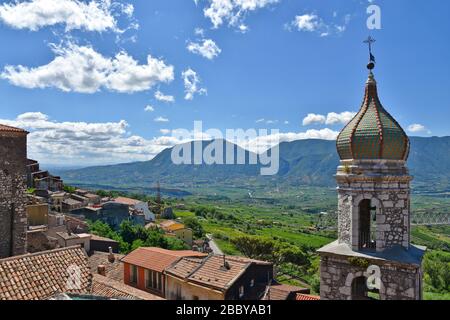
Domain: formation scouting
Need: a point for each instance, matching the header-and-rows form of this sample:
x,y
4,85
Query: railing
x,y
365,241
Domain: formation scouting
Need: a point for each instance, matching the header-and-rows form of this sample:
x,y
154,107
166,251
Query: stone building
x,y
13,216
373,256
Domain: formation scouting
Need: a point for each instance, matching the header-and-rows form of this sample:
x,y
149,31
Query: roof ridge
x,y
30,255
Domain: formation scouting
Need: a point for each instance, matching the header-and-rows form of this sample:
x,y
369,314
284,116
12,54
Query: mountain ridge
x,y
302,162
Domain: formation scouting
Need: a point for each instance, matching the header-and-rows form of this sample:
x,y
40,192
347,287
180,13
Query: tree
x,y
197,229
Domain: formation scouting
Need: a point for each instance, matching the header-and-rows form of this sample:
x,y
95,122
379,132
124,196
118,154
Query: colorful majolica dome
x,y
373,133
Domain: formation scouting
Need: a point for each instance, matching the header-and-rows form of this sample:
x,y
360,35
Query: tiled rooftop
x,y
284,292
157,259
109,288
128,201
113,270
306,297
44,274
210,271
5,128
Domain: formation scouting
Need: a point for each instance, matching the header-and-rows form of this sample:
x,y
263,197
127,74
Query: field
x,y
292,216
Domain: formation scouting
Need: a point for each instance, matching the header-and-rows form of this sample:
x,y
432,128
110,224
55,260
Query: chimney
x,y
101,269
111,257
226,266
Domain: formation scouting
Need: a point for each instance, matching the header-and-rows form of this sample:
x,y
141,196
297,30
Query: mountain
x,y
302,162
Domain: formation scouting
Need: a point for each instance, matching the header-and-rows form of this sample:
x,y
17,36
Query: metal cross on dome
x,y
370,41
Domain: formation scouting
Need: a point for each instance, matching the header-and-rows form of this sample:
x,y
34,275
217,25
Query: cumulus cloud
x,y
161,119
339,118
311,22
207,48
313,118
192,84
81,69
417,128
149,108
232,12
81,143
331,118
262,143
94,15
164,98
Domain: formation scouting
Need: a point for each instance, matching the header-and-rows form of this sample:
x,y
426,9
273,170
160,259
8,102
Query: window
x,y
153,280
252,283
195,298
133,274
241,291
367,225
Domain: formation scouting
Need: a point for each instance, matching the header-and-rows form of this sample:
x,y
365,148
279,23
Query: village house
x,y
69,239
144,267
218,278
137,205
41,179
56,200
178,230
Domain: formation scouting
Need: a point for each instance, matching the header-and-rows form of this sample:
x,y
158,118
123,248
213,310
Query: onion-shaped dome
x,y
373,133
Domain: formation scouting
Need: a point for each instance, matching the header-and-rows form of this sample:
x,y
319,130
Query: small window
x,y
252,283
241,291
133,274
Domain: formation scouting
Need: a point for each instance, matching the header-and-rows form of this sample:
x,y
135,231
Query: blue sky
x,y
79,75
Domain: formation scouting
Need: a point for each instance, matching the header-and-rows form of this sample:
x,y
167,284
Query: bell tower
x,y
373,256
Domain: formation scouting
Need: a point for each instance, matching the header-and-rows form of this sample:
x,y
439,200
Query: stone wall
x,y
13,217
388,189
398,281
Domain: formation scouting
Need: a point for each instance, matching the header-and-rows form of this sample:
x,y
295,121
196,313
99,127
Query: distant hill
x,y
302,162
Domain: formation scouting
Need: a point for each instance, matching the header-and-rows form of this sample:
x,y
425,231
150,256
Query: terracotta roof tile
x,y
5,128
128,201
43,274
210,271
109,288
113,270
157,259
306,297
284,292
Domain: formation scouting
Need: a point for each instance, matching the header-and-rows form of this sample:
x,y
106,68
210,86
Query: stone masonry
x,y
13,217
386,184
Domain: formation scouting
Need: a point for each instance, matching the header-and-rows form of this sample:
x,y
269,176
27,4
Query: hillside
x,y
303,162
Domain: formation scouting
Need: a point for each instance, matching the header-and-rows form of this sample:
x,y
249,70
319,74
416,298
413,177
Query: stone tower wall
x,y
13,217
398,281
388,187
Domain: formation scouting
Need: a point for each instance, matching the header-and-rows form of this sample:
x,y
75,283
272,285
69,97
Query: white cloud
x,y
165,131
262,143
313,118
199,32
307,22
232,11
260,120
311,22
340,118
331,118
95,15
416,128
192,84
81,143
149,108
161,119
207,48
82,69
164,98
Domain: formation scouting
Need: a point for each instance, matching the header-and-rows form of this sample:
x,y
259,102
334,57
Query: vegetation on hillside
x,y
131,236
